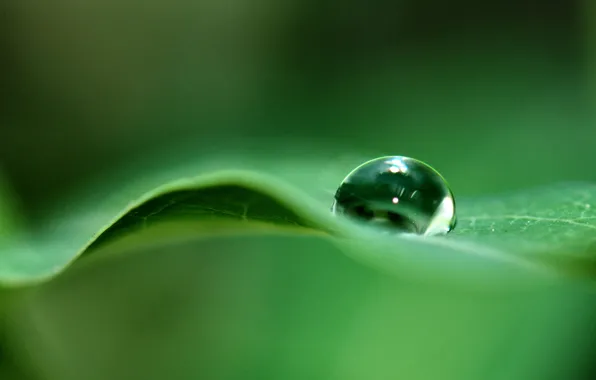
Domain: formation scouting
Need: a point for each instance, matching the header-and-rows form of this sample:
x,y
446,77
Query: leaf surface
x,y
544,230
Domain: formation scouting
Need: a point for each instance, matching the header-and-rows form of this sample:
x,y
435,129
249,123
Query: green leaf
x,y
554,224
297,183
539,231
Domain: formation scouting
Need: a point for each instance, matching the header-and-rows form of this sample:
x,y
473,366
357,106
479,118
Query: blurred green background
x,y
496,94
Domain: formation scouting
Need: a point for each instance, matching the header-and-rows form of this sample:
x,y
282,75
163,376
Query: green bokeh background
x,y
498,96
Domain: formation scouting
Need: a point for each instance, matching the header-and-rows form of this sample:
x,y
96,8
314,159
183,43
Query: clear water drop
x,y
398,193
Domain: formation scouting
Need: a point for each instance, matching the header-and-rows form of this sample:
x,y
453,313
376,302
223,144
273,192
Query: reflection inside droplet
x,y
397,193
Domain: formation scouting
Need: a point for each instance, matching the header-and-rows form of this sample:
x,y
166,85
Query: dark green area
x,y
495,95
211,203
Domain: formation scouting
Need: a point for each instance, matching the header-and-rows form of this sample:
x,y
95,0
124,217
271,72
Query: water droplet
x,y
398,193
